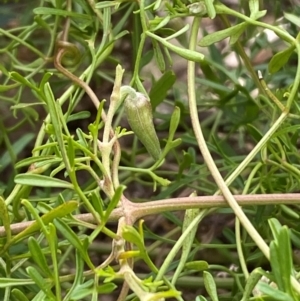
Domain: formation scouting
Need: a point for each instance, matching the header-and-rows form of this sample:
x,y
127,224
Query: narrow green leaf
x,y
160,88
163,22
10,282
82,292
210,8
58,212
178,33
35,160
292,18
258,15
174,122
275,227
276,294
38,256
254,6
285,253
234,38
190,55
25,105
173,144
35,215
41,22
159,58
114,201
275,264
157,5
175,119
78,116
146,58
97,203
106,4
53,245
17,147
4,88
168,56
185,163
4,216
71,152
41,282
295,238
84,5
41,181
221,35
82,141
72,237
106,288
45,80
106,21
130,234
210,286
189,216
60,12
254,132
199,265
22,80
53,107
290,212
78,277
19,295
251,283
280,59
41,296
160,180
5,72
87,288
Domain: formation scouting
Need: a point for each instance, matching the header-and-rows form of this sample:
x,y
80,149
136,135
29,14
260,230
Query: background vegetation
x,y
210,210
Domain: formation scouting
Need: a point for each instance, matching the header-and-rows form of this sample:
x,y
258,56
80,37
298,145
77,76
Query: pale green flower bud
x,y
139,115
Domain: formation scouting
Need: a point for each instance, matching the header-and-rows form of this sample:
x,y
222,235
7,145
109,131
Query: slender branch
x,y
139,210
207,155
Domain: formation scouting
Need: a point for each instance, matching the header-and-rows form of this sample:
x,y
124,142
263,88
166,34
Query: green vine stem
x,y
205,151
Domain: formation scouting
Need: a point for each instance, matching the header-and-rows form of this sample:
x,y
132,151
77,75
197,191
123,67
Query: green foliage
x,y
213,139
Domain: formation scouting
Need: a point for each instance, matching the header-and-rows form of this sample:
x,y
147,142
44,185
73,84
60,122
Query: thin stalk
x,y
256,149
239,248
205,151
163,269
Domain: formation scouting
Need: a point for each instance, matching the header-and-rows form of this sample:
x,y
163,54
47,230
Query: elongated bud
x,y
138,111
